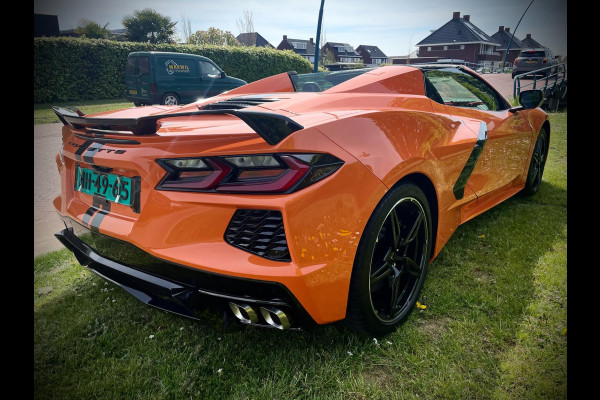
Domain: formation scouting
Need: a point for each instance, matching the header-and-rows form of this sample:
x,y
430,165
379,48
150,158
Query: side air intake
x,y
259,232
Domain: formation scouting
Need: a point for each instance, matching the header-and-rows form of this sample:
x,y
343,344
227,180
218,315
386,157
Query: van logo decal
x,y
173,67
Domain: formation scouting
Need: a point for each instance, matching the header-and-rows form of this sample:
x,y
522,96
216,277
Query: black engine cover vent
x,y
236,103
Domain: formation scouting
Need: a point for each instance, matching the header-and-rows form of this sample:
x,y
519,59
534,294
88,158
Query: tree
x,y
329,57
246,23
148,26
187,28
92,30
213,36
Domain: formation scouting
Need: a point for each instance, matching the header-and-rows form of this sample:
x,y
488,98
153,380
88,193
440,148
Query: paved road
x,y
46,186
502,82
47,139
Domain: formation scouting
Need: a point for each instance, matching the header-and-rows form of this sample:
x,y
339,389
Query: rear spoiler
x,y
273,128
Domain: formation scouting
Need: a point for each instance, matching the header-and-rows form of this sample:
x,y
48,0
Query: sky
x,y
395,26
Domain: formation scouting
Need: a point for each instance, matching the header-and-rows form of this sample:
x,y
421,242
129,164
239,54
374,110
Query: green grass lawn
x,y
494,326
43,114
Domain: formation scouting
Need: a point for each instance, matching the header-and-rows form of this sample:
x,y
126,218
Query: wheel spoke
x,y
395,222
414,231
381,273
412,268
395,293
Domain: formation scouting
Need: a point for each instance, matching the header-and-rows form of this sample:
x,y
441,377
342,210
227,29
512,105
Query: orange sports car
x,y
297,199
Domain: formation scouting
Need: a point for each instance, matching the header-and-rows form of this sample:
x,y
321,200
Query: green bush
x,y
68,69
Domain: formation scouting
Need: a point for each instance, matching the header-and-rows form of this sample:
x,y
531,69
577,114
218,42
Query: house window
x,y
462,46
299,45
445,47
429,48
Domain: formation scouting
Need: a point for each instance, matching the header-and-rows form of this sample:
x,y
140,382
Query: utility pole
x,y
316,68
513,35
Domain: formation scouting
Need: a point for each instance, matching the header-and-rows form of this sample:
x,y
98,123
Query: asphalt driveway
x,y
46,186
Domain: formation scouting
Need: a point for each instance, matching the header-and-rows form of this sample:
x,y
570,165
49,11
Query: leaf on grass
x,y
421,306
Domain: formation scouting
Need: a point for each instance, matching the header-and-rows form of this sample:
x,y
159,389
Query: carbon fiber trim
x,y
465,174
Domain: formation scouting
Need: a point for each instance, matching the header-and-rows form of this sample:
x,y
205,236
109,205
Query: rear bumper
x,y
175,288
528,68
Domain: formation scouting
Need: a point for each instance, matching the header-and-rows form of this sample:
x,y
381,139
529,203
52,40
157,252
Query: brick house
x,y
460,40
253,39
530,43
372,55
503,36
45,25
304,48
342,52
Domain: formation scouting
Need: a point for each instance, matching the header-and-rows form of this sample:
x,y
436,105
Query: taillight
x,y
544,61
516,62
256,173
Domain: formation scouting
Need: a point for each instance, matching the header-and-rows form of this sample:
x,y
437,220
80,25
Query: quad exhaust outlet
x,y
271,315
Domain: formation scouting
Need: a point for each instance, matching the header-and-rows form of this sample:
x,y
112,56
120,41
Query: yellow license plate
x,y
131,91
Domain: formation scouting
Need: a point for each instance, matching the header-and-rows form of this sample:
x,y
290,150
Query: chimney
x,y
284,37
507,30
311,40
456,15
529,36
467,17
500,28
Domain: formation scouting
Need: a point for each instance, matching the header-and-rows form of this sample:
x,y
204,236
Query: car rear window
x,y
321,81
144,66
131,65
532,54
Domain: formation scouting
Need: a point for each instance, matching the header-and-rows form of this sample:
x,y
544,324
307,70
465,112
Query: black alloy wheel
x,y
391,262
537,164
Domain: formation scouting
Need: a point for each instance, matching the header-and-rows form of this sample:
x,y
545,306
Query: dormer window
x,y
299,45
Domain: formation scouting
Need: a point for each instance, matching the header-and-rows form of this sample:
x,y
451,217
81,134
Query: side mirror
x,y
529,99
223,75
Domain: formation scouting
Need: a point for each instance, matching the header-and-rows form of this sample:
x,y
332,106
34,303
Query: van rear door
x,y
138,79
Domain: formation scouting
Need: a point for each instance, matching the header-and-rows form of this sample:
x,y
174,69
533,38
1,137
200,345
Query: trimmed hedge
x,y
70,69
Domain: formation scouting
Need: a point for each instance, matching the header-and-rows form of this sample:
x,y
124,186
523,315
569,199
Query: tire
x,y
391,262
170,99
137,104
537,164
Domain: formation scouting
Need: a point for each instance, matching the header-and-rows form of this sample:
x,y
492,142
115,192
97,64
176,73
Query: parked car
x,y
153,77
297,199
533,59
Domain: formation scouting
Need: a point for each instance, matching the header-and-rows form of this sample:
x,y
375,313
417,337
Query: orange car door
x,y
503,161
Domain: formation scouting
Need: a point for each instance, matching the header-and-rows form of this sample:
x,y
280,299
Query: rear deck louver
x,y
259,232
236,103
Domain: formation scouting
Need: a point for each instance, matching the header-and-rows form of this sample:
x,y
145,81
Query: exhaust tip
x,y
276,318
244,313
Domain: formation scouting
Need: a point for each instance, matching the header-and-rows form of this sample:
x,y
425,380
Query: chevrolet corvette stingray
x,y
298,199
